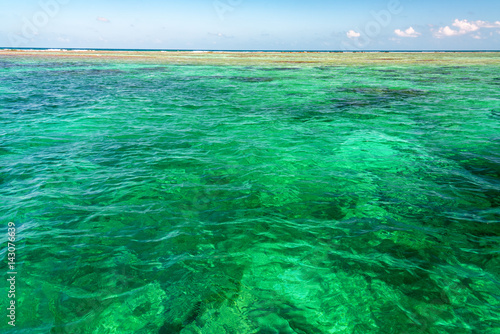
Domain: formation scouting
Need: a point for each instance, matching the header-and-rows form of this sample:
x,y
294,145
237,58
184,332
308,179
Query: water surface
x,y
253,196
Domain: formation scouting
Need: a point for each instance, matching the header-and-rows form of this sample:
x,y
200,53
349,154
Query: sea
x,y
229,192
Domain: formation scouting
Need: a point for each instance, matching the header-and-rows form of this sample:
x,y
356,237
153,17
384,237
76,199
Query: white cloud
x,y
353,34
484,24
464,27
103,19
446,31
410,32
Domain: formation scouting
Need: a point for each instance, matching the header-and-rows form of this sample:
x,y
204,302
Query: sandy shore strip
x,y
265,58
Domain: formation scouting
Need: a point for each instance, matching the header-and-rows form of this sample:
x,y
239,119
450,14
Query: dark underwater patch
x,y
152,69
281,69
232,78
169,328
348,103
91,71
387,71
385,92
104,71
351,98
7,64
252,79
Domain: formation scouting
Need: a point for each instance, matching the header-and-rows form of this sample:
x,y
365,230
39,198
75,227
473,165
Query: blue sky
x,y
252,24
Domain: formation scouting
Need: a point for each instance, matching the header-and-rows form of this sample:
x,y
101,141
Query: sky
x,y
252,24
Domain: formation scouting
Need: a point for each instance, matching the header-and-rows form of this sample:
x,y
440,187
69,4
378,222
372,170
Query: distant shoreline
x,y
272,58
243,51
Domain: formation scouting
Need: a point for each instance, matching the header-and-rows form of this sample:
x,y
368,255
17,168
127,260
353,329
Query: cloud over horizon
x,y
464,27
410,32
352,34
198,24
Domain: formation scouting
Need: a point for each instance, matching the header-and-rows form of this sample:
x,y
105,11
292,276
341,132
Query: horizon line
x,y
241,50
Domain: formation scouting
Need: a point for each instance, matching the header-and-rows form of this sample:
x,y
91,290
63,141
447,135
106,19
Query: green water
x,y
157,198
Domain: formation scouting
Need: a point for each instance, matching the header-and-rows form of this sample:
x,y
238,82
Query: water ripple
x,y
232,199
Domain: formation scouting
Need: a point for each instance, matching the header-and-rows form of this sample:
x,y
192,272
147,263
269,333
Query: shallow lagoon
x,y
252,192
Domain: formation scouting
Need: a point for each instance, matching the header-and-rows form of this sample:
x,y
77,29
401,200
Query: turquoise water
x,y
159,198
